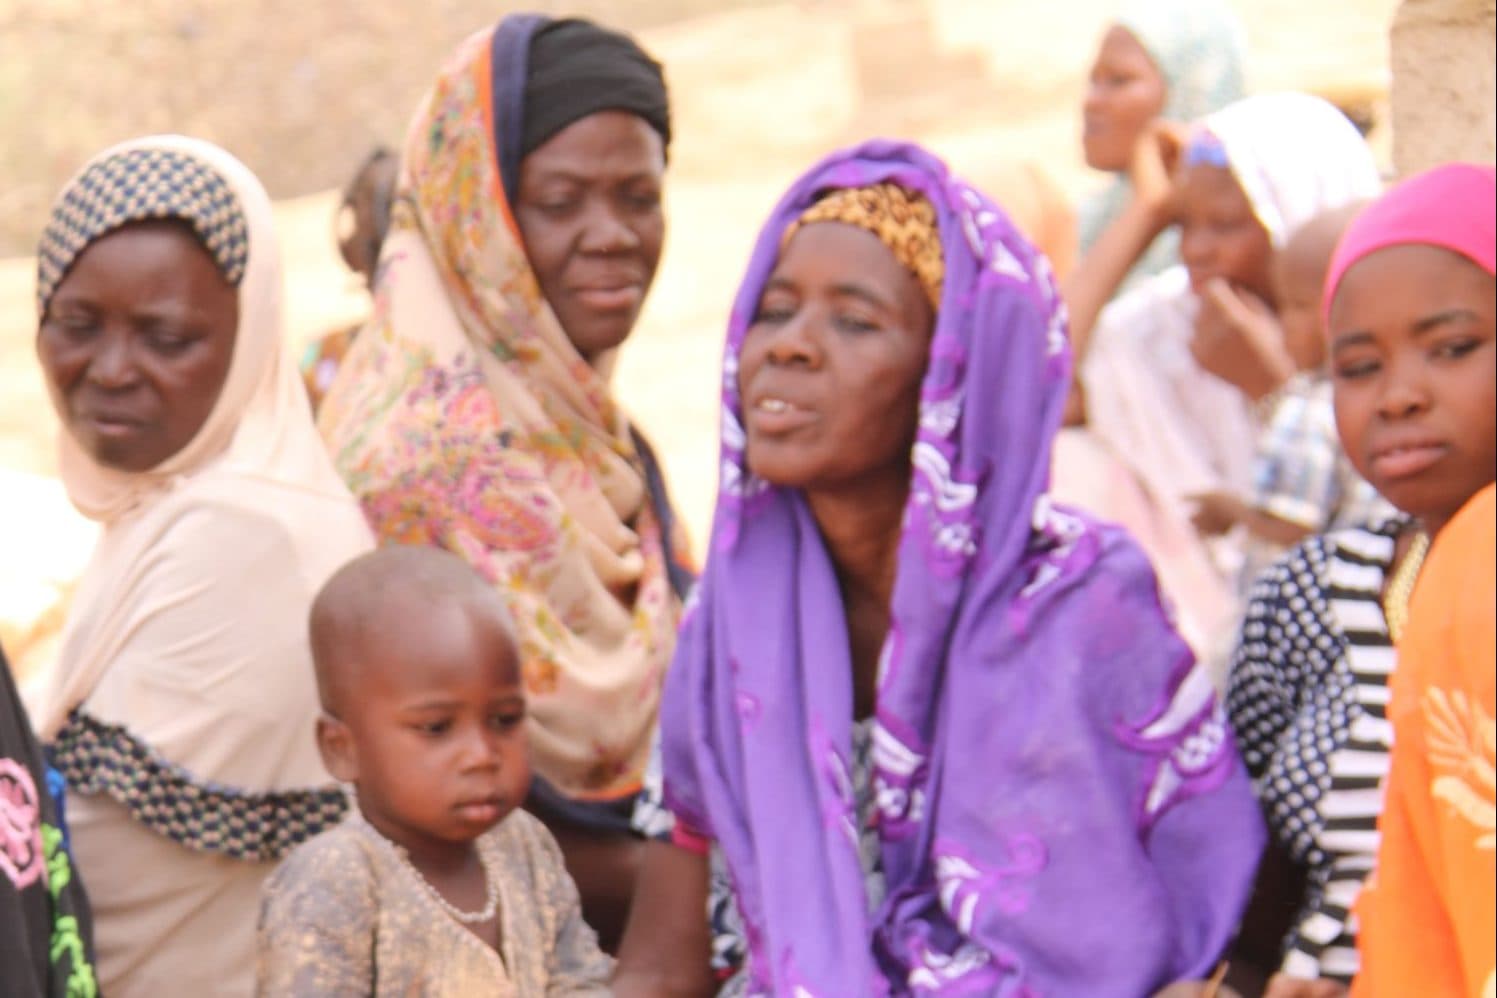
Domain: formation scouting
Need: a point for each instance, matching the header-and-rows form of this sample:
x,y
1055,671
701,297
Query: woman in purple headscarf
x,y
938,731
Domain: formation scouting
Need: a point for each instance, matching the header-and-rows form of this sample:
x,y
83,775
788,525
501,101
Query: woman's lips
x,y
1406,461
110,425
621,298
770,415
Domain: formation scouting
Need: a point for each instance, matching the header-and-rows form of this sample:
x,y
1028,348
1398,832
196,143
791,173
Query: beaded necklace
x,y
1401,585
491,897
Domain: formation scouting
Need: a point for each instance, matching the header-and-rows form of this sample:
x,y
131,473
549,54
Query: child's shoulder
x,y
522,832
525,847
341,854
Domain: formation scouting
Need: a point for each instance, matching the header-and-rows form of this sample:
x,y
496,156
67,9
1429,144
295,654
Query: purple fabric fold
x,y
1061,809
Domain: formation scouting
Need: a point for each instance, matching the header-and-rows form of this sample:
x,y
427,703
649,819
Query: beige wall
x,y
1444,82
298,89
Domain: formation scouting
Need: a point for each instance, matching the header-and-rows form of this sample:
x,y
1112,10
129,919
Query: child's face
x,y
1219,234
1411,348
434,735
1297,285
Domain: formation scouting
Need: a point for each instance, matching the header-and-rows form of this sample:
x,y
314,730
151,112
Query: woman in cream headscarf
x,y
474,412
182,706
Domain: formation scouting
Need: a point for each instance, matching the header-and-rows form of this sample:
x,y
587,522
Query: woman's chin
x,y
594,335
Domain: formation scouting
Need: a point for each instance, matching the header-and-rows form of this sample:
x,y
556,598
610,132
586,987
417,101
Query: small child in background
x,y
436,884
362,222
1303,482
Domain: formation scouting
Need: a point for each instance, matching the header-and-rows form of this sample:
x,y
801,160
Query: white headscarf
x,y
1182,430
1295,157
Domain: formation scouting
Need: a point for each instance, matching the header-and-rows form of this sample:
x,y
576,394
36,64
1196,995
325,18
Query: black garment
x,y
46,932
547,74
577,68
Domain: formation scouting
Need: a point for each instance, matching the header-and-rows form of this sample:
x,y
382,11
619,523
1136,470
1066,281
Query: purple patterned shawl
x,y
1061,808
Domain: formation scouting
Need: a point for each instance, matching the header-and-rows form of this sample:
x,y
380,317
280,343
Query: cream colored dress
x,y
344,915
182,704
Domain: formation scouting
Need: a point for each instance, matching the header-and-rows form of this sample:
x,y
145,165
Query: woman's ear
x,y
339,754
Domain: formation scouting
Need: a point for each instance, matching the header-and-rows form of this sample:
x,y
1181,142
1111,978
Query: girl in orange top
x,y
1412,324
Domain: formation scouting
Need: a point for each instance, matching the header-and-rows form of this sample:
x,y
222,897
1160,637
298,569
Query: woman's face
x,y
1219,234
830,369
1410,337
1124,92
589,212
136,344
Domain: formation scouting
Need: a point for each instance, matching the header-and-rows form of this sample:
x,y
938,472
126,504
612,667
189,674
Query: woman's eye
x,y
853,323
1352,370
773,314
1455,349
169,343
643,200
74,327
557,203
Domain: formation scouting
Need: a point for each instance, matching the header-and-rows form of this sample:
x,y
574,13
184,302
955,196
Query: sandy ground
x,y
758,95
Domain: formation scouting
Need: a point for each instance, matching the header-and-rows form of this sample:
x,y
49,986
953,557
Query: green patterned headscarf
x,y
1198,48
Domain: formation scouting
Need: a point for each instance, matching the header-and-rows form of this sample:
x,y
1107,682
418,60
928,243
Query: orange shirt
x,y
1427,917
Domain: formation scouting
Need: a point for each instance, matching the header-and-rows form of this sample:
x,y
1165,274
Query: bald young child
x,y
436,884
1303,482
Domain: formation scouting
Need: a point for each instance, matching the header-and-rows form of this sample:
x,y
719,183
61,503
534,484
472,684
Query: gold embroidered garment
x,y
343,915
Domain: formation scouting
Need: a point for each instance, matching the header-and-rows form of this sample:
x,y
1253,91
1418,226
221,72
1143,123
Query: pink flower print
x,y
21,855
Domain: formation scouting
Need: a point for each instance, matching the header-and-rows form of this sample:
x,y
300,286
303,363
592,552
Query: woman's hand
x,y
667,946
1283,986
1150,209
1238,339
1151,173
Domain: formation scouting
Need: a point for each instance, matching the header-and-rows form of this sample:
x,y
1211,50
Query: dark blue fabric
x,y
509,61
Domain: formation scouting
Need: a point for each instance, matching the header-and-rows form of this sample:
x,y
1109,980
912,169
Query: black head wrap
x,y
577,68
548,74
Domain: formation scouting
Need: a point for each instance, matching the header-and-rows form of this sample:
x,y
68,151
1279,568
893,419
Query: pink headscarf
x,y
1451,206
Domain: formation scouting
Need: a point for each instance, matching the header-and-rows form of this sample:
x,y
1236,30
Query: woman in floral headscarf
x,y
936,729
474,413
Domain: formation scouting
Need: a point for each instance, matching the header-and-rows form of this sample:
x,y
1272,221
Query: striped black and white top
x,y
1307,698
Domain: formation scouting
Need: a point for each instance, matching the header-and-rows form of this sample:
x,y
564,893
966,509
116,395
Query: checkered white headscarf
x,y
137,184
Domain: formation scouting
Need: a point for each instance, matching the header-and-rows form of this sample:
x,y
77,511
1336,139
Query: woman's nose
x,y
794,342
112,364
1091,101
1405,391
606,231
